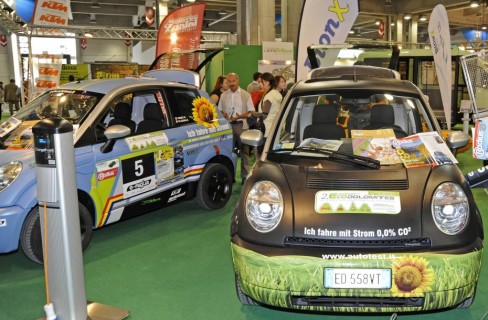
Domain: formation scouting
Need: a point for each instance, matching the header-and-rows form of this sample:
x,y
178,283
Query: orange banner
x,y
180,30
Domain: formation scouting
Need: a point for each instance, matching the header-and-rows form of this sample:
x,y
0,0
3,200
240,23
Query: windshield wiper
x,y
344,157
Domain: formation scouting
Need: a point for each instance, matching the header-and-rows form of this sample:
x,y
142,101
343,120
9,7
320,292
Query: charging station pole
x,y
60,223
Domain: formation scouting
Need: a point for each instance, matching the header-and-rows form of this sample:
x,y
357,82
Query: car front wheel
x,y
244,298
31,239
215,186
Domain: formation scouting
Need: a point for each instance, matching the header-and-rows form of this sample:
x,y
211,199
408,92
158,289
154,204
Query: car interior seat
x,y
122,115
324,123
153,119
383,117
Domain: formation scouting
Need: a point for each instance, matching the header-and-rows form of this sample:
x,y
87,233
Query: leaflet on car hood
x,y
356,204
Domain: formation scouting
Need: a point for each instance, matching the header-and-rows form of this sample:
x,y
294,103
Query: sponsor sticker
x,y
378,202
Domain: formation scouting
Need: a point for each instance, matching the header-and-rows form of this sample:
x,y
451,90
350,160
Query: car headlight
x,y
450,208
8,173
264,206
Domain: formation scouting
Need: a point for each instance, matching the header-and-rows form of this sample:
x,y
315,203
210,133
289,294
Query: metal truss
x,y
107,33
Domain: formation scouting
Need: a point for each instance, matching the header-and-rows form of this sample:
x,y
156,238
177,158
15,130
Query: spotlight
x,y
222,12
407,16
484,27
88,34
377,22
423,18
474,3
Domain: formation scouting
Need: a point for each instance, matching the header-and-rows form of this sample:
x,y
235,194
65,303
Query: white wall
x,y
6,64
144,52
103,50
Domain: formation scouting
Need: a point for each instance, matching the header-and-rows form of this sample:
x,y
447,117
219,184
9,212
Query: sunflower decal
x,y
411,276
205,113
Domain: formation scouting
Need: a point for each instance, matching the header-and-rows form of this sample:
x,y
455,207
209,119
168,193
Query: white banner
x,y
47,71
440,40
278,51
323,22
52,12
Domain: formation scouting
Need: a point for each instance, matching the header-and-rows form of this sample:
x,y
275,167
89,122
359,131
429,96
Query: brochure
x,y
423,149
332,145
375,144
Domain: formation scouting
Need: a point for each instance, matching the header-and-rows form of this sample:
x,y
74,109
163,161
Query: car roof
x,y
360,83
106,85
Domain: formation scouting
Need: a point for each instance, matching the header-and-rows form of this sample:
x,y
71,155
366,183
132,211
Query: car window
x,y
332,116
181,106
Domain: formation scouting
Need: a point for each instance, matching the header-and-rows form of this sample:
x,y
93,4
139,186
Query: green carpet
x,y
175,264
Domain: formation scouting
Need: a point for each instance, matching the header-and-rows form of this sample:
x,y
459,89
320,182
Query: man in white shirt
x,y
236,105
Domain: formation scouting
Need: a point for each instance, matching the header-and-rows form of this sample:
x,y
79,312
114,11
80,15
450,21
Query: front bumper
x,y
443,279
11,220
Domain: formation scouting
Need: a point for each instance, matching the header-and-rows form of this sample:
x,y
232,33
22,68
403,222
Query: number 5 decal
x,y
139,169
138,174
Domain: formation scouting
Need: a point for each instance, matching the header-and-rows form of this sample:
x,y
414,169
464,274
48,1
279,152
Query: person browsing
x,y
236,105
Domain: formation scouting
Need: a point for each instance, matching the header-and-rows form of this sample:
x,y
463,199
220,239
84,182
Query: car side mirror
x,y
252,138
456,139
113,133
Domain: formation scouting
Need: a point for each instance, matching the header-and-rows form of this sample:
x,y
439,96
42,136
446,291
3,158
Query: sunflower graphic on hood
x,y
411,276
205,113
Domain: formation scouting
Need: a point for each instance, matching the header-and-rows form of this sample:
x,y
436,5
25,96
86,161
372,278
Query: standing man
x,y
236,105
11,96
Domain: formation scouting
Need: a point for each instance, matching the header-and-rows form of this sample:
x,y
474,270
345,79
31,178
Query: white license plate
x,y
349,278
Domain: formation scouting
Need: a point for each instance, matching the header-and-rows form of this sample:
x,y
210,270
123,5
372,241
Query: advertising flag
x,y
440,41
181,30
323,22
52,12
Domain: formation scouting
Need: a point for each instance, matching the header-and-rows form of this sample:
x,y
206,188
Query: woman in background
x,y
271,101
220,86
281,85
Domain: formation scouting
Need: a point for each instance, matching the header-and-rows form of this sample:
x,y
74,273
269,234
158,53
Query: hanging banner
x,y
47,71
323,22
52,13
440,41
180,30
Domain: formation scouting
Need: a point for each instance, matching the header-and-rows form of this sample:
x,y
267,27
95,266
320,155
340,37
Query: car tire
x,y
31,239
214,187
467,303
244,298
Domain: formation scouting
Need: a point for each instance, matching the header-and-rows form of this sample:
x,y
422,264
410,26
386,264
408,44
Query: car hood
x,y
344,203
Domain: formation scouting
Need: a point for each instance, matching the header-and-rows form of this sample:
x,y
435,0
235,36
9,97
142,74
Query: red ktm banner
x,y
180,30
3,40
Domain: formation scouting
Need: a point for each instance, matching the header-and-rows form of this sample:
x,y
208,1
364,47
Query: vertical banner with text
x,y
48,67
181,30
440,41
52,12
323,22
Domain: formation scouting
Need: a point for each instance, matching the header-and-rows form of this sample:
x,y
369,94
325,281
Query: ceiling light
x,y
474,3
392,24
423,18
484,27
351,32
222,12
88,34
407,16
377,22
94,4
190,0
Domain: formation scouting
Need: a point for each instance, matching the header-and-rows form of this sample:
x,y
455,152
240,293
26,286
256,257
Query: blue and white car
x,y
140,144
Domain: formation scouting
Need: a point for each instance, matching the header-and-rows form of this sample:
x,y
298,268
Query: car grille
x,y
329,184
327,243
356,302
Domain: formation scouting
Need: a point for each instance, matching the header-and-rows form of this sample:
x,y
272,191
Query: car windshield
x,y
73,106
335,117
